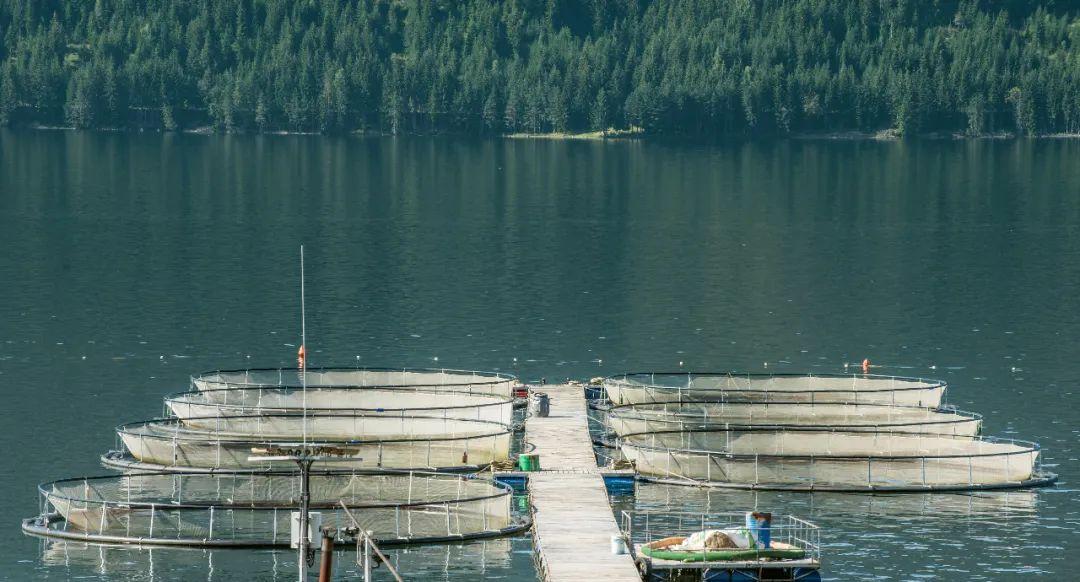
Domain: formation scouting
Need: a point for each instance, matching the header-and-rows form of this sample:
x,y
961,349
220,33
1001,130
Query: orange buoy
x,y
866,365
301,357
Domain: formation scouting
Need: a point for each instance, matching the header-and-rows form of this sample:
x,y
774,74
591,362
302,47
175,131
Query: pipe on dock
x,y
326,565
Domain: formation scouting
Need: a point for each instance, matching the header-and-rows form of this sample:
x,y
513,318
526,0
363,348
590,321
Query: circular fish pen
x,y
823,459
662,387
372,442
261,401
470,382
680,416
254,510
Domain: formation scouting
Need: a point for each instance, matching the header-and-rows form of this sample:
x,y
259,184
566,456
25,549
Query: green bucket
x,y
529,462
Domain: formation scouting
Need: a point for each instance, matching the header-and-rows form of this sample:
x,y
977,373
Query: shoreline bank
x,y
635,133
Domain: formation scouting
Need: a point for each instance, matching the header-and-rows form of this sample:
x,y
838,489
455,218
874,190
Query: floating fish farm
x,y
398,445
803,432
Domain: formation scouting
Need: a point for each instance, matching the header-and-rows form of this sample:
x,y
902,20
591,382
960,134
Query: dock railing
x,y
643,527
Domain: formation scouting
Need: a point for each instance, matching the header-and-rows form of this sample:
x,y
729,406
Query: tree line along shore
x,y
559,67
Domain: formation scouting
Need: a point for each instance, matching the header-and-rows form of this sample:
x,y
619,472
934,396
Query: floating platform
x,y
573,522
790,535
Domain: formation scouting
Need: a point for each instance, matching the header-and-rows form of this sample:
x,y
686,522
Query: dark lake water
x,y
130,261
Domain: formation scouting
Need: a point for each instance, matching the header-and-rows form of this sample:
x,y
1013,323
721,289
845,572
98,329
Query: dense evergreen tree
x,y
677,66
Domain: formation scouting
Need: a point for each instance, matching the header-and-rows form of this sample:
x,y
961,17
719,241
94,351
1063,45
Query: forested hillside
x,y
743,67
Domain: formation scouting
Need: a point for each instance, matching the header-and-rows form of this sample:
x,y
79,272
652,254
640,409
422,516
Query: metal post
x,y
367,556
305,501
326,566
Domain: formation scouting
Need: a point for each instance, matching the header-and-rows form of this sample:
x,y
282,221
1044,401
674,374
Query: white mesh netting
x,y
678,387
255,508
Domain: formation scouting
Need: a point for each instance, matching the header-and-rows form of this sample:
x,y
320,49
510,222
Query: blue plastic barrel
x,y
806,575
760,526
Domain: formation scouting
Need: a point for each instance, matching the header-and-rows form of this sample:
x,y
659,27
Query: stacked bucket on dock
x,y
396,444
809,432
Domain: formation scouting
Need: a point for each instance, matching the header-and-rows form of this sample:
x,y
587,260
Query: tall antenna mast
x,y
303,346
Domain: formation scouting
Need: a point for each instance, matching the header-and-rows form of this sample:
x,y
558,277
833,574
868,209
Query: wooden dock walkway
x,y
572,518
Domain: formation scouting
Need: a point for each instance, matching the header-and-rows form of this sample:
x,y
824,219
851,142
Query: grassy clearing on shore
x,y
609,133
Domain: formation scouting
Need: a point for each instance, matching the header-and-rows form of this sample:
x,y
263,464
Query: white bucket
x,y
618,545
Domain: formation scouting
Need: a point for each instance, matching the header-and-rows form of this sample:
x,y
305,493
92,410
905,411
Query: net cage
x,y
646,387
255,509
827,459
372,442
486,559
256,401
470,382
1006,504
678,416
786,531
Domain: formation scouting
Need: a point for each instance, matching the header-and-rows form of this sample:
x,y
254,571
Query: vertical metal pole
x,y
367,556
305,465
326,565
305,500
303,344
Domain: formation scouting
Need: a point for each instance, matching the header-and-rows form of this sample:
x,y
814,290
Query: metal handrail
x,y
49,490
1028,447
651,410
495,377
649,382
116,519
783,526
248,401
207,435
625,377
362,534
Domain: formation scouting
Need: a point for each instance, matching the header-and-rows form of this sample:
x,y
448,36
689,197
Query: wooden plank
x,y
572,518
